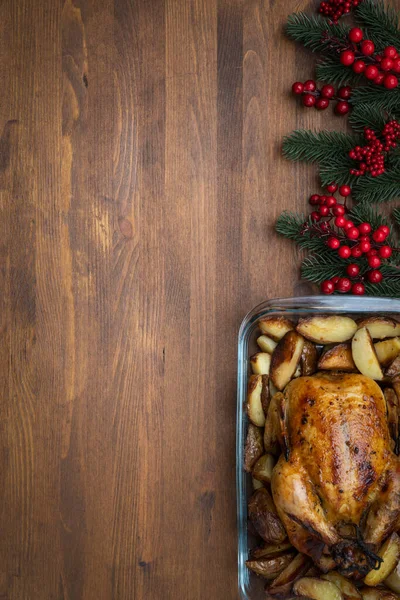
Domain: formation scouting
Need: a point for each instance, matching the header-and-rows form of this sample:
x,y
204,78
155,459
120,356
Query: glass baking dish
x,y
250,586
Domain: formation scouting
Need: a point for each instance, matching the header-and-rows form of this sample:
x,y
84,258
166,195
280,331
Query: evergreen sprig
x,y
375,190
396,216
320,146
316,271
369,115
315,33
381,22
380,97
330,70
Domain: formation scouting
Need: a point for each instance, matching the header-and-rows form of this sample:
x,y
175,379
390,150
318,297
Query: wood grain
x,y
140,178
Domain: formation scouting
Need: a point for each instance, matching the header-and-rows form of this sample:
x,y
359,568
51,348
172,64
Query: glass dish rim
x,y
311,304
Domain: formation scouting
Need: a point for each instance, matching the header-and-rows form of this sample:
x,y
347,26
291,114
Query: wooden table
x,y
140,178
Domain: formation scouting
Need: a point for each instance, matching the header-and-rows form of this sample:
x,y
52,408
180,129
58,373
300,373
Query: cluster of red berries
x,y
371,157
320,99
334,9
377,68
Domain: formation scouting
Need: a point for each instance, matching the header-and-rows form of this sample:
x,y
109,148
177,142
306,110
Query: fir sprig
x,y
316,271
381,21
396,216
320,146
375,190
330,70
369,115
314,32
380,97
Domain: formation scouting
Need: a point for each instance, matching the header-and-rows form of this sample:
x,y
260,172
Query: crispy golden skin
x,y
338,477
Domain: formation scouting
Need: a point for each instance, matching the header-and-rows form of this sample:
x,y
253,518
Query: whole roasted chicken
x,y
337,484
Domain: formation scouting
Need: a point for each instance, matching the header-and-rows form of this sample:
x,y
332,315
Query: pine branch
x,y
369,115
330,70
389,288
316,270
337,168
377,189
365,213
381,21
315,147
290,224
382,98
311,31
396,215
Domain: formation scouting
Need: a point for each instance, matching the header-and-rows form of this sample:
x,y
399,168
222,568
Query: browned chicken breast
x,y
337,485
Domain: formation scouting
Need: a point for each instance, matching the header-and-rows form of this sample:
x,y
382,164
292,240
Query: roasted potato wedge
x,y
266,344
364,354
369,593
309,359
325,563
393,369
263,468
338,358
275,327
390,553
317,589
272,431
297,568
380,327
285,359
327,329
265,395
270,567
387,351
260,363
254,407
347,588
264,517
257,484
271,550
254,447
392,404
393,581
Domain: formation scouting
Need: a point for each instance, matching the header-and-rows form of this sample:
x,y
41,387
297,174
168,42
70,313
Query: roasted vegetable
x,y
317,589
285,359
266,344
260,363
263,468
364,355
327,329
254,447
390,554
387,351
347,588
380,327
264,517
254,407
270,567
338,358
275,327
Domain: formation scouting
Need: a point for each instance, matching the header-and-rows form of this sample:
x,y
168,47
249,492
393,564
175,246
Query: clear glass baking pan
x,y
250,586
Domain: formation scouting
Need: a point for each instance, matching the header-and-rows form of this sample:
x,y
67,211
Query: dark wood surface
x,y
140,176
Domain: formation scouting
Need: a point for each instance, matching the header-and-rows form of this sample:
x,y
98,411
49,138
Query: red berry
x,y
315,216
298,88
379,78
372,252
344,92
330,201
386,64
349,225
352,233
332,187
343,285
342,108
355,35
365,246
322,104
344,252
385,251
310,86
335,279
327,91
374,262
390,82
309,100
379,236
314,199
374,276
385,229
371,72
352,270
323,211
367,47
359,66
333,243
358,289
323,199
340,222
364,228
347,58
327,287
339,210
345,190
356,252
390,52
396,65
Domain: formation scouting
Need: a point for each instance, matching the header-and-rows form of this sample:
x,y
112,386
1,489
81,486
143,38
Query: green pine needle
x,y
396,215
375,190
337,169
314,147
310,31
388,100
330,70
316,270
369,115
381,21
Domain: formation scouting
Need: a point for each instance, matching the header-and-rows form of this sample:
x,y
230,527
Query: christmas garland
x,y
352,245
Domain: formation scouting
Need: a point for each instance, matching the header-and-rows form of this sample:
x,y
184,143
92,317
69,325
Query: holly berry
x,y
355,35
343,285
342,108
310,86
327,287
390,82
379,236
385,229
372,252
345,190
374,276
330,201
323,199
344,92
323,211
339,211
348,225
315,216
356,252
335,279
314,199
390,52
333,243
327,91
298,88
347,58
352,270
374,262
339,221
367,47
358,289
396,65
385,251
352,233
309,100
365,246
371,72
322,103
364,228
344,252
332,187
359,66
386,64
379,78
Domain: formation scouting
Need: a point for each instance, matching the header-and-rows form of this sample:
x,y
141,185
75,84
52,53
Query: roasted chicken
x,y
337,484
